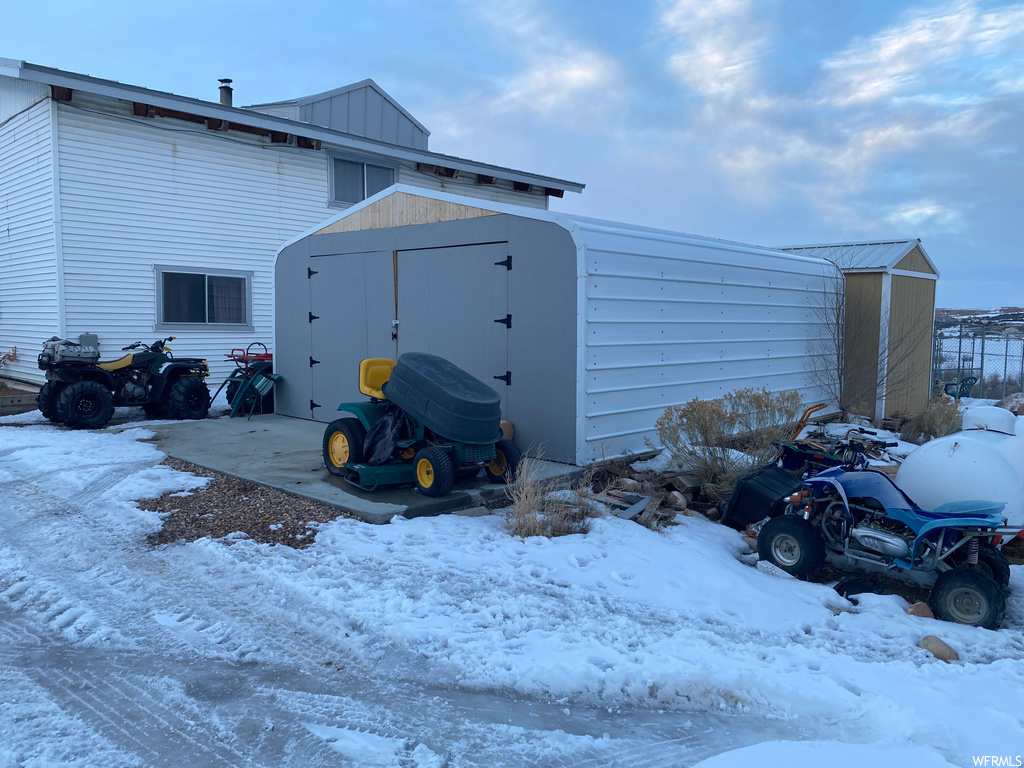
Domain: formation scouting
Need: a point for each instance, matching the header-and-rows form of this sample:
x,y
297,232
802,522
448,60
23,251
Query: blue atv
x,y
861,513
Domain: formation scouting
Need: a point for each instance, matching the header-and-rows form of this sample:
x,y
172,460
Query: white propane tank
x,y
983,461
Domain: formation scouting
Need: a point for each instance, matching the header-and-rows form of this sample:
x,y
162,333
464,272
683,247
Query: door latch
x,y
507,378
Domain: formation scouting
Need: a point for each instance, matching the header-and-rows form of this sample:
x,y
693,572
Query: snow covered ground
x,y
443,641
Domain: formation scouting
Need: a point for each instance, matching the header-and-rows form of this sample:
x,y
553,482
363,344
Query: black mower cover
x,y
445,398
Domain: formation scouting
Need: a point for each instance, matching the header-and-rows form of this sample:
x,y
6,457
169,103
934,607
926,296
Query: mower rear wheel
x,y
343,443
793,544
85,405
47,399
504,467
189,399
967,596
433,471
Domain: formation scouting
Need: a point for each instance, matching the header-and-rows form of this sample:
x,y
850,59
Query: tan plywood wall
x,y
908,382
402,210
914,262
860,341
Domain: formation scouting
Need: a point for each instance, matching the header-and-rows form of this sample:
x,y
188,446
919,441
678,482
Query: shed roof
x,y
871,256
23,70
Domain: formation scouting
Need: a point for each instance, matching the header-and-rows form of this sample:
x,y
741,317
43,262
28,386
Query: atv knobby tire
x,y
991,562
47,399
189,399
966,596
85,405
793,544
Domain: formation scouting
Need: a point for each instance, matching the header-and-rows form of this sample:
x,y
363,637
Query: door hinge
x,y
507,378
507,263
506,321
313,362
313,317
310,272
313,405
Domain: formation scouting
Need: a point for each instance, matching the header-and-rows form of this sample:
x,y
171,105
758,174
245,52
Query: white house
x,y
134,214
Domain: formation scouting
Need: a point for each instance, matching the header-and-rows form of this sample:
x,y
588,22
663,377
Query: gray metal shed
x,y
587,329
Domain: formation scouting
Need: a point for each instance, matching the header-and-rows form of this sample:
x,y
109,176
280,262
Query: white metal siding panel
x,y
18,95
670,318
28,284
287,111
136,193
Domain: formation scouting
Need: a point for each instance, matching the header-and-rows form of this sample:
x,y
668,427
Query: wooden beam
x,y
142,110
215,124
60,93
242,128
520,186
278,137
552,192
481,179
303,143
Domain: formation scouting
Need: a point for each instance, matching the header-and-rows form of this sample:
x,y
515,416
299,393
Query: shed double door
x,y
453,302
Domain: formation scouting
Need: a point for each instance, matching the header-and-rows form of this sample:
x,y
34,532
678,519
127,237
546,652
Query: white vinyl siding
x,y
17,96
28,268
138,193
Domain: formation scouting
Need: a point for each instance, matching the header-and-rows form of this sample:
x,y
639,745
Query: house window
x,y
195,298
353,181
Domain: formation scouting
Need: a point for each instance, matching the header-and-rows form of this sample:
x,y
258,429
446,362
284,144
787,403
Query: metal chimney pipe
x,y
225,91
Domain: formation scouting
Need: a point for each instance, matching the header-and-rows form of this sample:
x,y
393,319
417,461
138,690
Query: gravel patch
x,y
228,505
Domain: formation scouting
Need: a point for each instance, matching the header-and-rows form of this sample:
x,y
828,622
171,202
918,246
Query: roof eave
x,y
115,90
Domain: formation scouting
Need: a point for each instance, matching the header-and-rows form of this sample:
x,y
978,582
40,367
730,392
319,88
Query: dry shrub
x,y
942,418
537,512
720,440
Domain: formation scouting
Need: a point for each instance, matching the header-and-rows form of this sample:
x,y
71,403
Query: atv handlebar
x,y
156,346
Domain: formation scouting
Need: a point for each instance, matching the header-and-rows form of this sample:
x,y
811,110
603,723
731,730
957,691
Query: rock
x,y
1013,403
676,500
628,484
472,512
922,610
751,542
772,570
938,648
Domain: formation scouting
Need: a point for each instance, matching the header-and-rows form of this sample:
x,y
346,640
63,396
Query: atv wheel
x,y
343,443
793,544
189,399
85,405
434,471
991,562
966,596
47,399
504,467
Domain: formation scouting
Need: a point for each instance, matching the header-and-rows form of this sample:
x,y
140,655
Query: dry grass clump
x,y
719,441
942,418
536,511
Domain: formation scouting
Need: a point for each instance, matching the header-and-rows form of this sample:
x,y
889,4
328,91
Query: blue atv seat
x,y
446,399
968,508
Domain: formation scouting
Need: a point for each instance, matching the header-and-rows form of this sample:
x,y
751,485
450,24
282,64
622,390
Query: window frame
x,y
159,270
364,160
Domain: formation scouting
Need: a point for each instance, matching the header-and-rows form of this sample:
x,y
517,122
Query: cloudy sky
x,y
773,122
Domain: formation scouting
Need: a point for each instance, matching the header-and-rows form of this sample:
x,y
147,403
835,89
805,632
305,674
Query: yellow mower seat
x,y
373,372
116,365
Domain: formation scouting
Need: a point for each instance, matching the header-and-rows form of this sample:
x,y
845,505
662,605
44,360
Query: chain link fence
x,y
992,353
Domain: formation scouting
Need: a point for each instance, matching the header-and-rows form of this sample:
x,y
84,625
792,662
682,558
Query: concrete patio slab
x,y
285,453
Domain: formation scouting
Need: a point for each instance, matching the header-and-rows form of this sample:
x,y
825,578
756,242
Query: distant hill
x,y
1004,316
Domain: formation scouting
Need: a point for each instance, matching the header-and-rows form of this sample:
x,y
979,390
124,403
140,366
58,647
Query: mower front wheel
x,y
434,471
343,443
504,467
